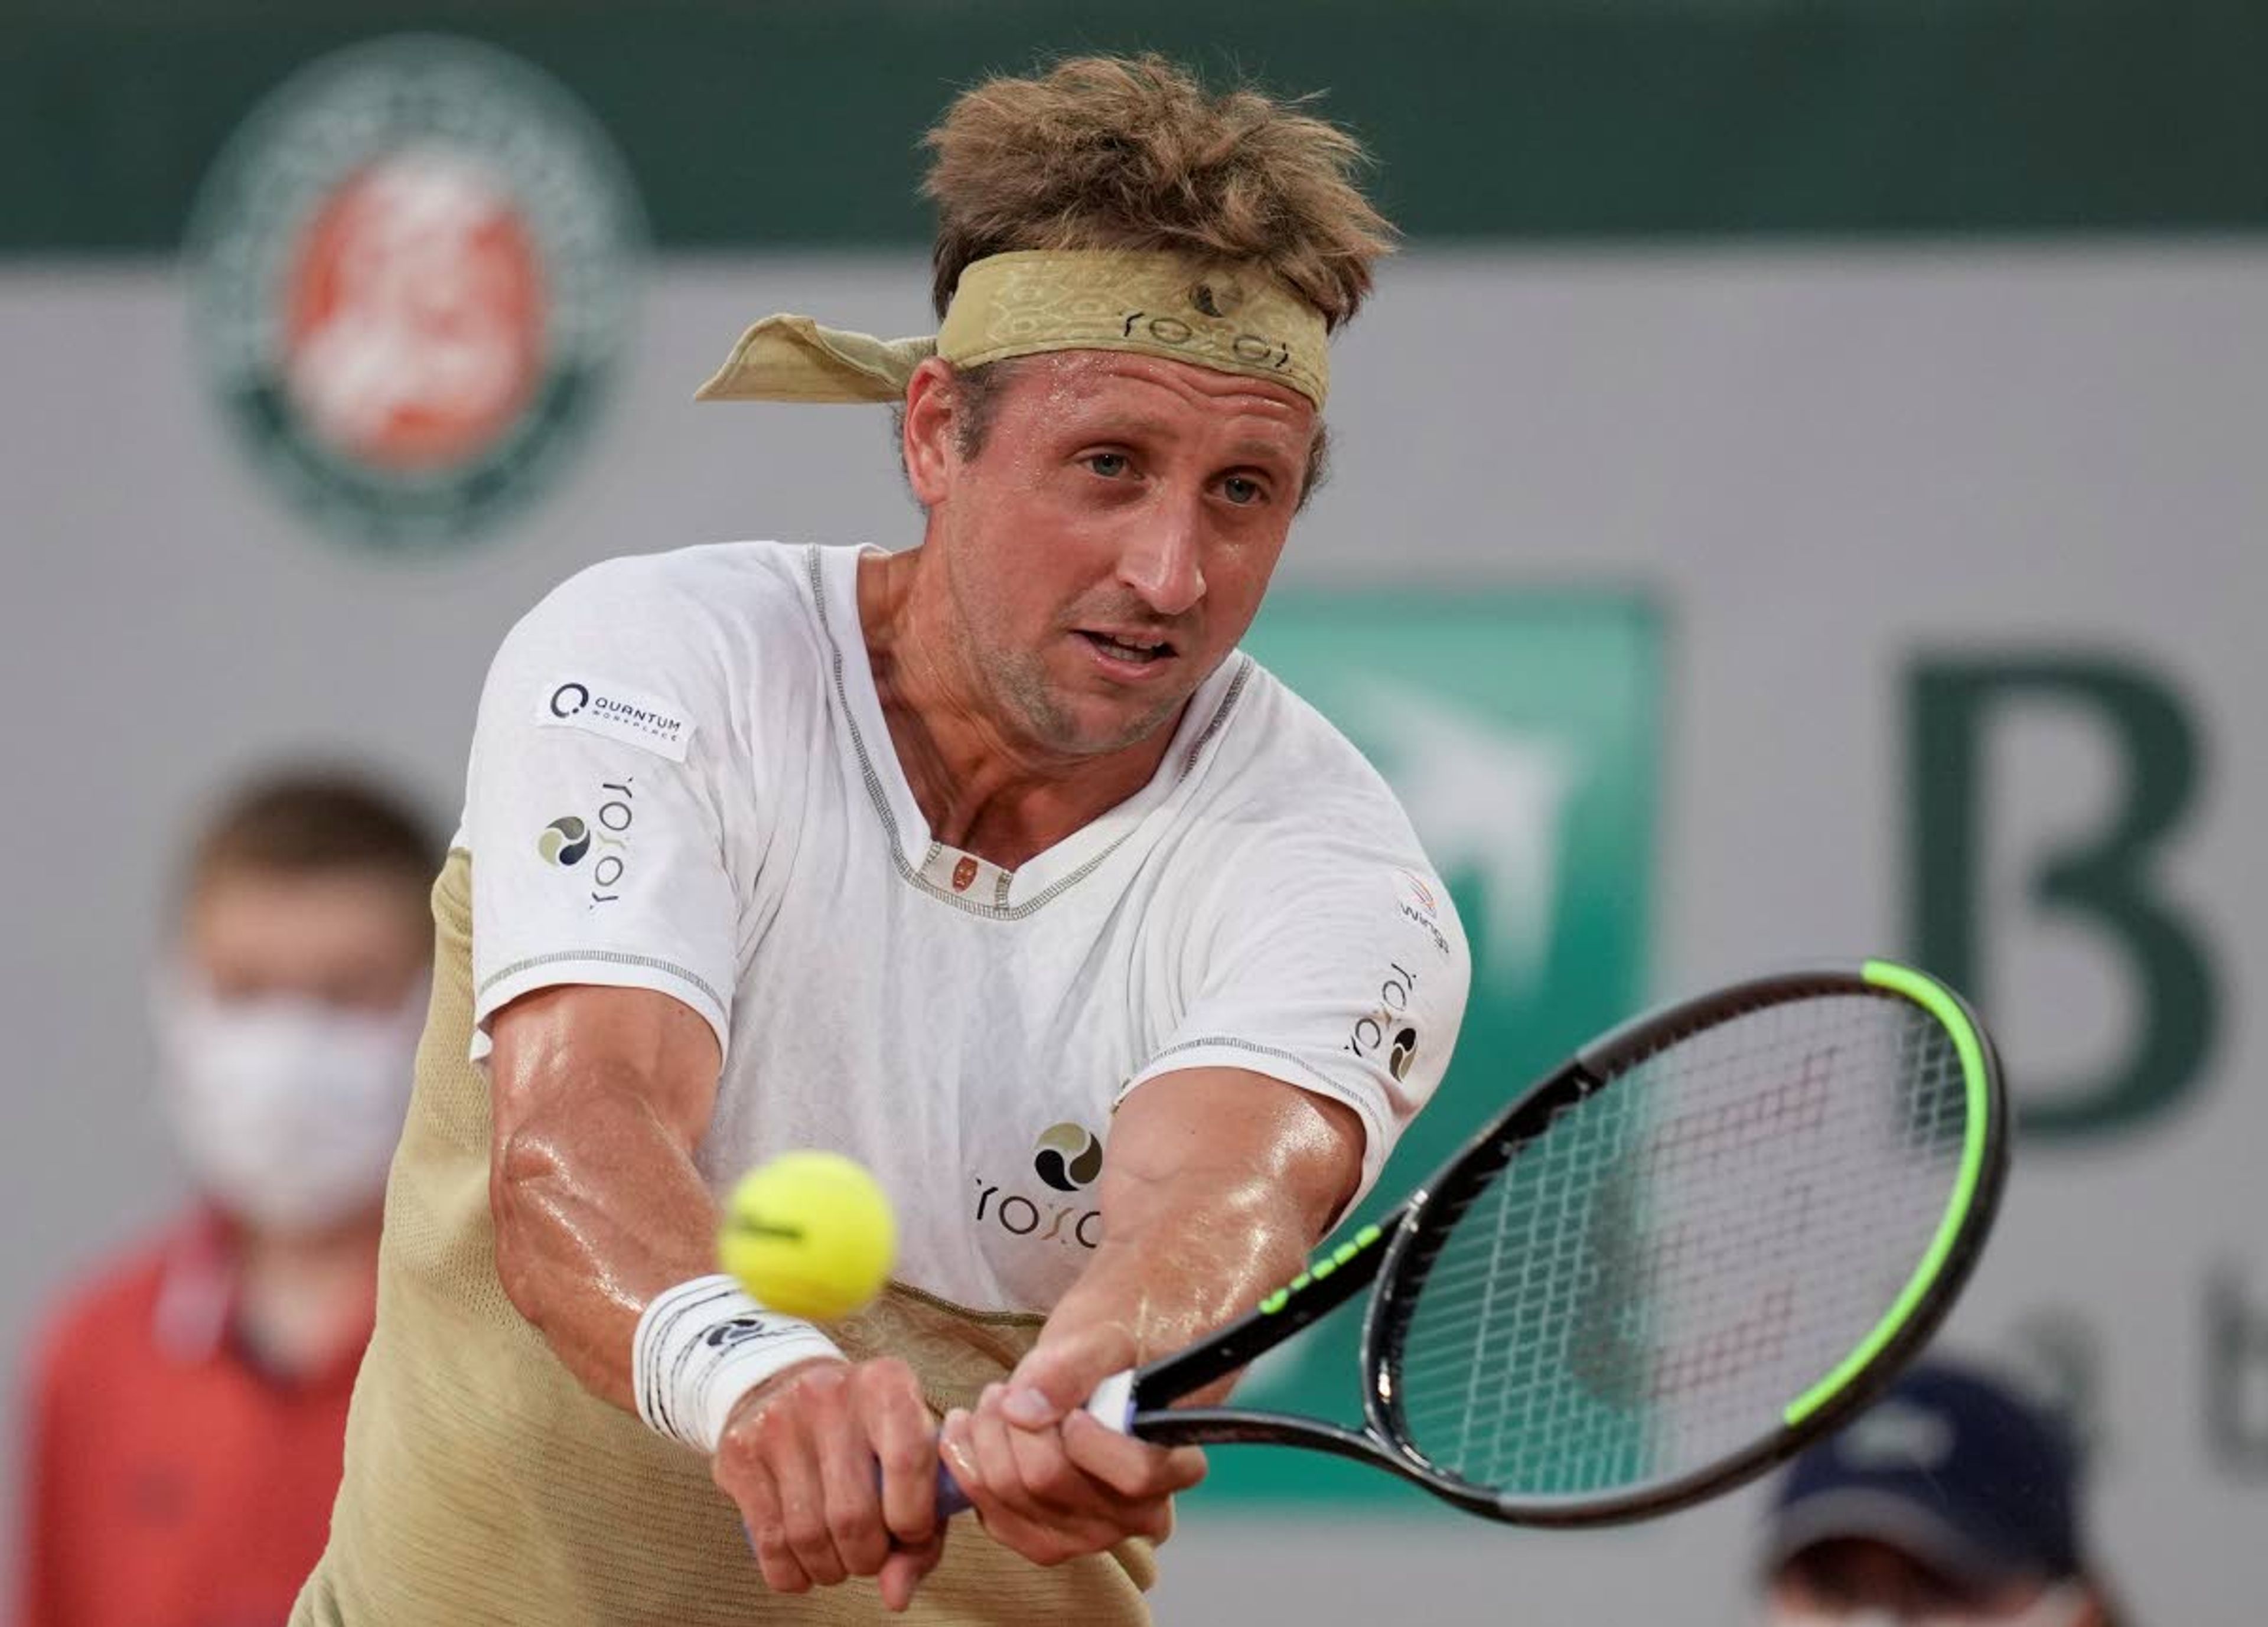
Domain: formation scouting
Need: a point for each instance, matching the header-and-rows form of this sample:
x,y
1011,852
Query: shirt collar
x,y
197,1289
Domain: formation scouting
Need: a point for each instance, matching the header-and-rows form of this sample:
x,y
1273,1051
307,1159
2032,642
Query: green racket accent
x,y
1322,1266
1931,996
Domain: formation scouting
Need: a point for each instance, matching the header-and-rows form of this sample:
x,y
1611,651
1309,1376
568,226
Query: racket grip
x,y
951,1499
1112,1403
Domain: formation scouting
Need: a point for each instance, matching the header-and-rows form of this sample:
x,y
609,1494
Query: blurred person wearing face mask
x,y
1951,1502
188,1404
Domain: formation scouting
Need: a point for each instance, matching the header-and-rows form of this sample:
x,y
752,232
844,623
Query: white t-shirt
x,y
682,781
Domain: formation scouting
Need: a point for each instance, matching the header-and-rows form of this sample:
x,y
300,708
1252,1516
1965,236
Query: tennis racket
x,y
1702,1242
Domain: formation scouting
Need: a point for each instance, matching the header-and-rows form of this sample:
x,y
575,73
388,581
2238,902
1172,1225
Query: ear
x,y
927,443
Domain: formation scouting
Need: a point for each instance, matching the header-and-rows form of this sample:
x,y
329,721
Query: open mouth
x,y
1135,648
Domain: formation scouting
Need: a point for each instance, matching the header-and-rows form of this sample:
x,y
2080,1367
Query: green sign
x,y
752,125
1520,731
2106,883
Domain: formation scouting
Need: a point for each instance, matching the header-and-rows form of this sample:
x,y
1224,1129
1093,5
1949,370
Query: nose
x,y
1160,561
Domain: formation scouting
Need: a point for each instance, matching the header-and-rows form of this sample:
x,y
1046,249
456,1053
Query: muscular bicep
x,y
559,1043
600,1096
1224,1136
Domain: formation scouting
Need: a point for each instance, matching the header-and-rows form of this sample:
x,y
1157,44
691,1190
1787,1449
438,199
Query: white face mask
x,y
287,1109
2057,1606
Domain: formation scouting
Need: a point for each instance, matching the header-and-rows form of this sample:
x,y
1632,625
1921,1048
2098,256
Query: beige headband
x,y
1025,303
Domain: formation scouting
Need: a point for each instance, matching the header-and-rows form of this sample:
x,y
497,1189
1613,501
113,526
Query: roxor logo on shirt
x,y
1386,1025
565,842
568,840
1067,1156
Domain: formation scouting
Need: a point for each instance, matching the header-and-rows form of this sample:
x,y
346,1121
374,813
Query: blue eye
x,y
1242,490
1109,465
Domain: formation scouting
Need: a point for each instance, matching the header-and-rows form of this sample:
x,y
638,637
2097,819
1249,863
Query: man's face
x,y
347,938
1110,541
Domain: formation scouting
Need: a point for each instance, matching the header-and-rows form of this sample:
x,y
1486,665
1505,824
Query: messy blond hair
x,y
1134,152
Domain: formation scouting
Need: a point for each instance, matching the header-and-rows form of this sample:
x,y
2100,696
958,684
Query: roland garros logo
x,y
412,268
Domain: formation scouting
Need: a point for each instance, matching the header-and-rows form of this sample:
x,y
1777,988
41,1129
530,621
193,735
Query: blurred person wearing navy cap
x,y
188,1401
1950,1501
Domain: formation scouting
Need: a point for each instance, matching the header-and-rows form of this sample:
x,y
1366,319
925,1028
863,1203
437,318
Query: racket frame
x,y
1387,1253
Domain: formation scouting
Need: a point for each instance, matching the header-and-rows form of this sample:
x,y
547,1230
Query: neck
x,y
984,787
305,1300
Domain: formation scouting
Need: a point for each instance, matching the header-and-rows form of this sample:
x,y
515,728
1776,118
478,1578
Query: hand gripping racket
x,y
1705,1239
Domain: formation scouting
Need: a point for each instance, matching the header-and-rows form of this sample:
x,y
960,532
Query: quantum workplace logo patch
x,y
413,266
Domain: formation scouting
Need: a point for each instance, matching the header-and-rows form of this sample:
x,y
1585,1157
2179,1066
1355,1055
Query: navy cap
x,y
1949,1468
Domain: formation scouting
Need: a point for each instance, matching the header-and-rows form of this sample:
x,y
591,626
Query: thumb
x,y
1059,1373
903,1571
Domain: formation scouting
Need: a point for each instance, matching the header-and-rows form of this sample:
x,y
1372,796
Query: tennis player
x,y
991,862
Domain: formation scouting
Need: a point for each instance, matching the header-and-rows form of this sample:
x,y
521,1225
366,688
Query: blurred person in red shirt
x,y
187,1403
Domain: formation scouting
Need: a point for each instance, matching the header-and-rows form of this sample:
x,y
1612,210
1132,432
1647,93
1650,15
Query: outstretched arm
x,y
1216,1184
600,1096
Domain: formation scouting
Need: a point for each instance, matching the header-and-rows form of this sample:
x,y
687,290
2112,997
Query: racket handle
x,y
951,1499
1112,1403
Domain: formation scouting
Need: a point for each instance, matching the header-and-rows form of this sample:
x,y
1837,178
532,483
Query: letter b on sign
x,y
1962,717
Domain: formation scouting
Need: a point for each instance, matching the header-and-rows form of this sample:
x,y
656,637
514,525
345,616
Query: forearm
x,y
1181,1279
1216,1182
600,1096
1200,1224
597,1210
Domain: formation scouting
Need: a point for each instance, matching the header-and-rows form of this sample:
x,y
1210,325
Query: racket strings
x,y
1645,1286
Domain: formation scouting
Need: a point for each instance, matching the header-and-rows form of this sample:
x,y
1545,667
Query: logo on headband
x,y
1026,301
1217,299
1163,328
413,266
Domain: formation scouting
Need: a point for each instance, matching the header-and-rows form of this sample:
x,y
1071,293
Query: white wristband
x,y
704,1345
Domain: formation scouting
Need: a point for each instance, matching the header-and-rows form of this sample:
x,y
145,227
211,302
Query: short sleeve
x,y
592,808
1338,967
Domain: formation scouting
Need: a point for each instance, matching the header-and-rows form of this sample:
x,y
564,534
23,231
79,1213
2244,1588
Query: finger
x,y
1056,1376
953,1452
905,1443
797,1472
1099,1511
987,1435
956,1446
852,1501
782,1574
1128,1465
1042,1506
1049,1478
903,1570
743,1472
1041,1544
768,1536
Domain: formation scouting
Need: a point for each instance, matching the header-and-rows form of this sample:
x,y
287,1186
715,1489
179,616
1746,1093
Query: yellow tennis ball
x,y
809,1235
